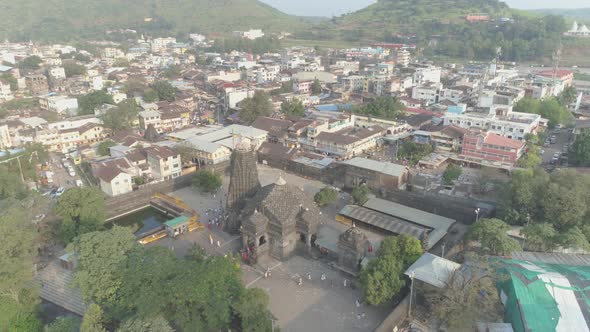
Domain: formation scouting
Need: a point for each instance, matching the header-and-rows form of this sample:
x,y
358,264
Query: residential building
x,y
578,30
349,142
5,91
447,138
37,84
427,93
114,181
491,148
427,74
147,118
353,83
302,86
164,162
57,73
250,34
161,44
208,153
403,57
59,104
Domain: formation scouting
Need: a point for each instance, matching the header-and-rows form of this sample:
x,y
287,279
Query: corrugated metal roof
x,y
382,221
432,270
552,258
176,221
377,166
410,214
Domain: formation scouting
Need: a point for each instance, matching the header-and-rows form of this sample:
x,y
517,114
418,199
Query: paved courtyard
x,y
316,305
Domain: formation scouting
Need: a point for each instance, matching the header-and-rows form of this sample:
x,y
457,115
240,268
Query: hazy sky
x,y
338,7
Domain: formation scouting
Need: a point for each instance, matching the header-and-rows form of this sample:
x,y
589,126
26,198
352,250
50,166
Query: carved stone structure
x,y
243,184
279,219
353,246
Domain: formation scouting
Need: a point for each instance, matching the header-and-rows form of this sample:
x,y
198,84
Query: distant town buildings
x,y
578,30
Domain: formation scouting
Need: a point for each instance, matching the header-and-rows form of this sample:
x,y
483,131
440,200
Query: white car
x,y
79,183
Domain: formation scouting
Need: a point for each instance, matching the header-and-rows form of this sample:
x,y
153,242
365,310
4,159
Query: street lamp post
x,y
477,214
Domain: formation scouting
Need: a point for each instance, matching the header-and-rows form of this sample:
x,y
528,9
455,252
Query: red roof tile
x,y
497,140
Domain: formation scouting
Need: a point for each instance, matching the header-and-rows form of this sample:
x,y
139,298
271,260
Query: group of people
x,y
323,277
215,217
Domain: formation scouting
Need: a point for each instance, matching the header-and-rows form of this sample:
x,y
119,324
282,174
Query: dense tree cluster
x,y
413,152
207,181
325,196
550,109
124,116
383,277
30,63
256,46
452,173
150,289
81,210
492,237
360,194
87,104
253,107
580,151
555,207
382,107
72,68
294,109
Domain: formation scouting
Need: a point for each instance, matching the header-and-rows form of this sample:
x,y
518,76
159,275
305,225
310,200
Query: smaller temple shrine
x,y
353,246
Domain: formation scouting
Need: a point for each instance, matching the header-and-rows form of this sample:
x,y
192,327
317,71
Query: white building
x,y
5,91
403,57
114,181
112,53
428,74
5,140
57,73
59,104
164,162
578,30
250,34
427,93
160,44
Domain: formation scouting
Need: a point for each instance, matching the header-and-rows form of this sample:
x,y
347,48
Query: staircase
x,y
54,282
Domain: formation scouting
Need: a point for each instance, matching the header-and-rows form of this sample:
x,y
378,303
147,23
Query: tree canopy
x,y
293,109
580,151
382,107
550,109
253,107
452,173
413,152
103,147
316,87
325,196
82,211
360,194
383,277
252,308
164,90
124,116
30,63
72,68
64,324
88,103
492,236
207,181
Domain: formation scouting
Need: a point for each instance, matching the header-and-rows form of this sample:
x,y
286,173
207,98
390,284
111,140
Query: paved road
x,y
61,178
563,137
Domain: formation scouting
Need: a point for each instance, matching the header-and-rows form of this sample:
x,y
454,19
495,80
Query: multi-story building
x,y
302,86
59,104
164,162
354,83
149,117
403,57
114,181
349,142
250,34
161,44
428,93
5,91
37,84
427,74
499,120
57,73
491,148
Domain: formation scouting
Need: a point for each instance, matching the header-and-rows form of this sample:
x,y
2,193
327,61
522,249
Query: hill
x,y
580,13
78,19
439,27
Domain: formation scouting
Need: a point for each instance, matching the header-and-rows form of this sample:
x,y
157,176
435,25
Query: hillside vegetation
x,y
78,19
579,13
439,27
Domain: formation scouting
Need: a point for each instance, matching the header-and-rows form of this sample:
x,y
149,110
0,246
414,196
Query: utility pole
x,y
411,293
528,219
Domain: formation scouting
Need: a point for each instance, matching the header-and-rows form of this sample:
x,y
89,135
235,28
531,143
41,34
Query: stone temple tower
x,y
243,184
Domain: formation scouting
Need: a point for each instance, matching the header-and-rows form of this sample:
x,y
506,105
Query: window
x,y
175,166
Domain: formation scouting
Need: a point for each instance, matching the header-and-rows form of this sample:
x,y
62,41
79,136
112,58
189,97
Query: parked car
x,y
79,183
59,192
71,171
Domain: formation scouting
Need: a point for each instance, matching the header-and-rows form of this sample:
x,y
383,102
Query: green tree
x,y
103,147
413,151
72,68
580,150
293,109
492,236
574,238
568,96
325,196
9,78
153,324
25,322
540,237
404,247
18,245
468,297
520,197
383,107
88,103
11,186
316,87
30,63
64,324
258,105
382,279
135,86
360,194
93,320
286,87
207,181
164,90
121,118
564,207
171,72
100,259
121,62
82,211
452,173
550,109
531,159
252,308
196,253
150,96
